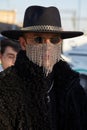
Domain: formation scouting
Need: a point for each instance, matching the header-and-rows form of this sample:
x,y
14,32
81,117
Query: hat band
x,y
43,28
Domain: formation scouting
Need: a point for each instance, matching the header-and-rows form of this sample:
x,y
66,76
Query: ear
x,y
22,43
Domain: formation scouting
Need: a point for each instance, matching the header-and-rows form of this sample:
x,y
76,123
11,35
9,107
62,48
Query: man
x,y
1,37
1,66
8,52
41,92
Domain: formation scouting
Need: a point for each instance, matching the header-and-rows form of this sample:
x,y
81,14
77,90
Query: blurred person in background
x,y
0,66
1,37
41,91
8,52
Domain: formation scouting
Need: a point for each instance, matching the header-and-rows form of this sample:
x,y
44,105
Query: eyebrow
x,y
10,54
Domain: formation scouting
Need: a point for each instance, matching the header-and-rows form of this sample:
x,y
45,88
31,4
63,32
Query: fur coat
x,y
31,101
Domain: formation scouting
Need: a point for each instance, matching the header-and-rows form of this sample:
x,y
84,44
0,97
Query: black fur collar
x,y
28,70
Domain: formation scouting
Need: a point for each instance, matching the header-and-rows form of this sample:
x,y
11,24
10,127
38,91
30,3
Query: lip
x,y
46,60
46,56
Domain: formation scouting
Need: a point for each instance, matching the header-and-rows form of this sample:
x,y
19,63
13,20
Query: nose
x,y
47,40
13,61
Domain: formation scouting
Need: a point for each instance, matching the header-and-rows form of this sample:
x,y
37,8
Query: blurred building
x,y
8,16
8,20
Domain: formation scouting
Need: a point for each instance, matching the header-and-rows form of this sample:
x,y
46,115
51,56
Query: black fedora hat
x,y
41,19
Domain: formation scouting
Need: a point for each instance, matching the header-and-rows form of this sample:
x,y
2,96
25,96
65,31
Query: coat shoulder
x,y
11,88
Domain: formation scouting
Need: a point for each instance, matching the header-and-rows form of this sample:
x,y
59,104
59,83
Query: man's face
x,y
8,57
44,49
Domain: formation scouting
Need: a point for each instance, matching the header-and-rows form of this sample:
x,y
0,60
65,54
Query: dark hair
x,y
8,42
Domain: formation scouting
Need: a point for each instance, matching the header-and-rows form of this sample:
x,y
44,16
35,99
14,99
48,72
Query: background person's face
x,y
8,58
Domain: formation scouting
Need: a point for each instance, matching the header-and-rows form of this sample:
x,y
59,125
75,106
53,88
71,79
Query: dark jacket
x,y
31,101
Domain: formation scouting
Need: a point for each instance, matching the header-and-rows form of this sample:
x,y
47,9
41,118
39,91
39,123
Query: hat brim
x,y
15,34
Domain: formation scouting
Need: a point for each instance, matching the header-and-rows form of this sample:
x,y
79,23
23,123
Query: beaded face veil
x,y
45,54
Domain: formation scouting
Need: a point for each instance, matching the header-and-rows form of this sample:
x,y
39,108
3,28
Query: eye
x,y
55,40
11,56
38,39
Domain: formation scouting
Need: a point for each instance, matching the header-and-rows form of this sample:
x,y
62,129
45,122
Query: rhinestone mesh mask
x,y
45,55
